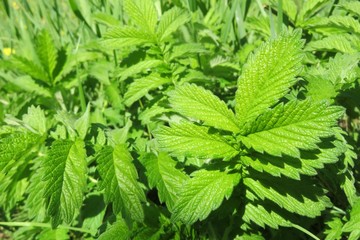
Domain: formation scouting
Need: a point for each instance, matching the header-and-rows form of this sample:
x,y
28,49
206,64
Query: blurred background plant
x,y
100,72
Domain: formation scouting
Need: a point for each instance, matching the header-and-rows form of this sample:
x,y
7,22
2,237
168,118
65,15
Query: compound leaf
x,y
163,175
65,176
267,75
290,127
203,193
119,181
196,102
188,139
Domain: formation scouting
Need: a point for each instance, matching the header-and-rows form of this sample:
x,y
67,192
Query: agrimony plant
x,y
267,153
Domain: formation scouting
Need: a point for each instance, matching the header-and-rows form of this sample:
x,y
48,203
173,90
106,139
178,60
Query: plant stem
x,y
80,87
42,225
305,231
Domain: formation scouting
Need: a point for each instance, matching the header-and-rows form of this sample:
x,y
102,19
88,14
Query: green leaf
x,y
29,67
261,216
347,23
122,37
267,75
93,212
65,176
163,175
171,21
35,203
300,197
334,229
333,25
320,88
73,60
82,10
46,52
203,193
143,13
352,6
53,234
290,127
310,8
140,87
185,49
119,181
13,184
28,84
15,145
83,123
116,230
354,223
142,66
106,19
187,139
332,43
196,102
35,118
308,164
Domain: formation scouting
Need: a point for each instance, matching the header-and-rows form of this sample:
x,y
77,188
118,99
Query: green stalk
x,y
80,86
310,234
42,225
279,16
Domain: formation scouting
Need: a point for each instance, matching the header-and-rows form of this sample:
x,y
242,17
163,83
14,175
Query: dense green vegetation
x,y
179,119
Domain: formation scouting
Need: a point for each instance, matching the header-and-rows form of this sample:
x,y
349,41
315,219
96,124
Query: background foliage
x,y
181,119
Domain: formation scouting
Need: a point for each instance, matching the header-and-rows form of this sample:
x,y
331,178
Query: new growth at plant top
x,y
153,119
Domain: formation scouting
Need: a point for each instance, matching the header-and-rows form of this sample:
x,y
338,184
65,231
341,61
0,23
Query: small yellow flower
x,y
15,5
8,51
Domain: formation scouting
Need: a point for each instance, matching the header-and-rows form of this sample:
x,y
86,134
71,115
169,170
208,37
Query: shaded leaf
x,y
202,194
163,175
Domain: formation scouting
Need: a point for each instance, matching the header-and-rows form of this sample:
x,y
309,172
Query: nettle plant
x,y
263,157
